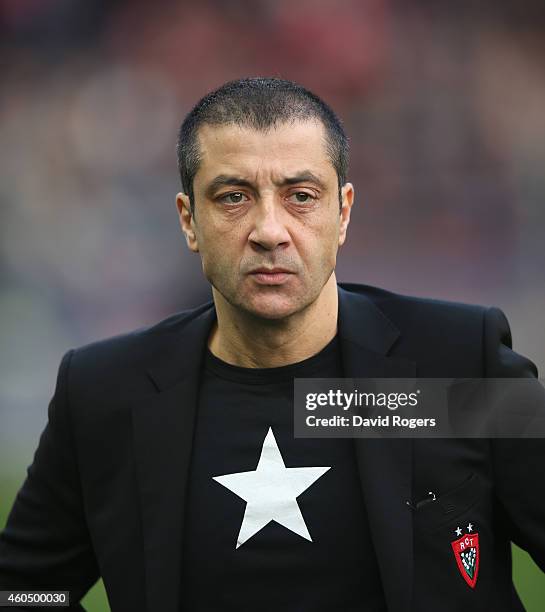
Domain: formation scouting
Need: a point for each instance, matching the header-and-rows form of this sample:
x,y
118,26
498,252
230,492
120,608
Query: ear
x,y
187,221
347,199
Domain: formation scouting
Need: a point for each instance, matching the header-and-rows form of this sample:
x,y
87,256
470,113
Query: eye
x,y
301,197
235,197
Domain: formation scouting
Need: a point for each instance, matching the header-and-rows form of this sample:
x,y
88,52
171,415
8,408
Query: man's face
x,y
267,222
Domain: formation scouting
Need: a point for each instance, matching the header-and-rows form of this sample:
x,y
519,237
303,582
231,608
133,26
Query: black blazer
x,y
105,493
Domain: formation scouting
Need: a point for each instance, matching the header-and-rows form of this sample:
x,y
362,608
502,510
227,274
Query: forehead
x,y
286,148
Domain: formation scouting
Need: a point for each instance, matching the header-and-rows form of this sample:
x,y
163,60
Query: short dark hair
x,y
259,103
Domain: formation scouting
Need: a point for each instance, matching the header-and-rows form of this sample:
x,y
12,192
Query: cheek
x,y
321,243
219,251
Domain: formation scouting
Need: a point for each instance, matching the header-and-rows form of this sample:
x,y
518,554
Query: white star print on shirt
x,y
270,492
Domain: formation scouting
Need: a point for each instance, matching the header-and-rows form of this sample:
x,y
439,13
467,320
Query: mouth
x,y
270,276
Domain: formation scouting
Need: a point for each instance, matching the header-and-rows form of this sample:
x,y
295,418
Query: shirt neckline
x,y
299,369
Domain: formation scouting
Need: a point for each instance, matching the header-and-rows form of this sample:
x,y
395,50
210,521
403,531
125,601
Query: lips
x,y
270,276
270,271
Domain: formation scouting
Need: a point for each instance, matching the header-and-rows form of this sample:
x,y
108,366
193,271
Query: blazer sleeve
x,y
45,543
518,463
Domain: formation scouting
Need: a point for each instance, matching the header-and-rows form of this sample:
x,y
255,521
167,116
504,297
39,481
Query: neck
x,y
242,339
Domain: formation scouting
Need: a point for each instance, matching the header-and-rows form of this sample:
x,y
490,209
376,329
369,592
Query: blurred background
x,y
444,105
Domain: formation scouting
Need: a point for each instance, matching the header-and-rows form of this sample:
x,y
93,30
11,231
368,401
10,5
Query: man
x,y
169,465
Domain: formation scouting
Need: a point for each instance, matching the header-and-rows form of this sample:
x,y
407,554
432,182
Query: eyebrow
x,y
223,180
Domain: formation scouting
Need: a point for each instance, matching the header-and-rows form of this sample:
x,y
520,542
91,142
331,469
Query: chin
x,y
271,315
271,309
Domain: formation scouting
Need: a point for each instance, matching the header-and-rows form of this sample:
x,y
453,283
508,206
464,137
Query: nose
x,y
269,230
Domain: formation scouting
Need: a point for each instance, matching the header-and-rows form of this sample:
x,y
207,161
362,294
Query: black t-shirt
x,y
273,522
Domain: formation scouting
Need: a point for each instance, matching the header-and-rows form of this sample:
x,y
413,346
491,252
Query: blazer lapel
x,y
163,425
385,465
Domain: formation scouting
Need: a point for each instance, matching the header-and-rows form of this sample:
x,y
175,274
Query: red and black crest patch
x,y
466,553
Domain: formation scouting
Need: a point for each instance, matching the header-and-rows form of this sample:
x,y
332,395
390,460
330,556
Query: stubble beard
x,y
242,302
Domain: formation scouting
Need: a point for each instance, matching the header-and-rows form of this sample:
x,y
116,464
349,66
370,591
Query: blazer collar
x,y
360,322
163,425
182,353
